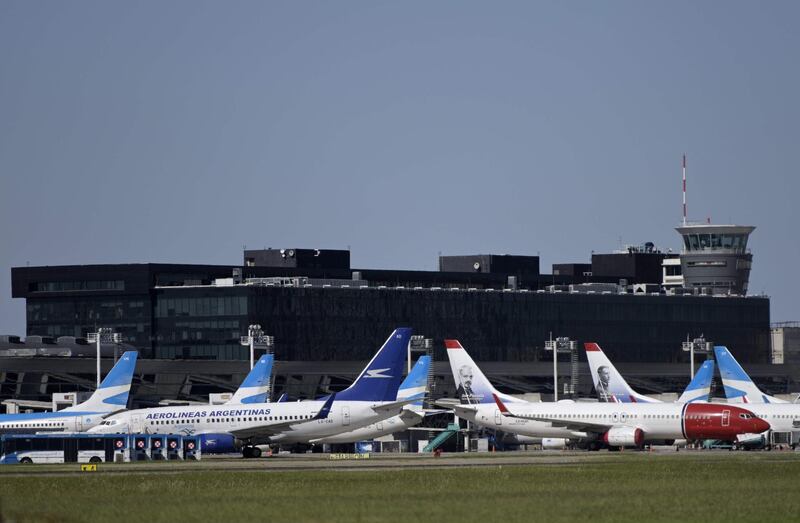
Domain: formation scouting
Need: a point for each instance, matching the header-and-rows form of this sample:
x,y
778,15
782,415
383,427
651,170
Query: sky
x,y
182,131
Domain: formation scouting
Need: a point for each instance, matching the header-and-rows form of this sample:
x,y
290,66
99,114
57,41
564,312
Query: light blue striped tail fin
x,y
699,389
416,383
112,395
255,387
739,388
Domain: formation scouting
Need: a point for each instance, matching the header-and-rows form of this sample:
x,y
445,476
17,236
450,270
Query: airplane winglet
x,y
500,405
326,408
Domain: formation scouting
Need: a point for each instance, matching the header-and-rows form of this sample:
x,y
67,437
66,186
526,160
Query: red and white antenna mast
x,y
684,190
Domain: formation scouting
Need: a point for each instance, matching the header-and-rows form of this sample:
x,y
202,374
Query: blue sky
x,y
181,131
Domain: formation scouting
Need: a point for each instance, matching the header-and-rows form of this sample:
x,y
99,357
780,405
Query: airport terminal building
x,y
327,318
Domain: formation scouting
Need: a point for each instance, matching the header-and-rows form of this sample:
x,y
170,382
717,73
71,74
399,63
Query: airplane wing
x,y
576,425
464,411
109,414
270,429
411,416
395,406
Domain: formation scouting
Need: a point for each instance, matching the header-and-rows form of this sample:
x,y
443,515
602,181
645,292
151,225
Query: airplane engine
x,y
554,443
219,444
624,437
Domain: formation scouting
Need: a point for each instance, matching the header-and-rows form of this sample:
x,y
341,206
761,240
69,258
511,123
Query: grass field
x,y
703,487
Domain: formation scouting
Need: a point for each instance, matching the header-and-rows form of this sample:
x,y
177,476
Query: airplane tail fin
x,y
112,394
608,382
380,379
699,388
739,388
415,386
255,387
471,384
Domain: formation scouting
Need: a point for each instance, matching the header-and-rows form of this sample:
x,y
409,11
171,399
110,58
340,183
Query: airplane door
x,y
78,424
379,425
136,423
726,418
345,416
498,418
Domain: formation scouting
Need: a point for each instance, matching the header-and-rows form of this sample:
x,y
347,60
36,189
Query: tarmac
x,y
386,461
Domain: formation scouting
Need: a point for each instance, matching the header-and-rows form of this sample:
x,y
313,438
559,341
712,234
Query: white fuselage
x,y
255,418
489,416
69,421
657,420
374,430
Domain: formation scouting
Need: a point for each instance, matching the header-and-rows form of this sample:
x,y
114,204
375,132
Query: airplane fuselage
x,y
655,421
63,421
254,418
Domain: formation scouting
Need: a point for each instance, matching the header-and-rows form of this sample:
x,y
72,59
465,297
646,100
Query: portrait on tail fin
x,y
603,384
464,390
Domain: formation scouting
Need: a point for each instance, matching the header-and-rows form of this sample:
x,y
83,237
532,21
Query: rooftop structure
x,y
715,258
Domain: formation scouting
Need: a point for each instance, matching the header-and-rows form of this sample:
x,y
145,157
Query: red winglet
x,y
592,347
452,344
500,404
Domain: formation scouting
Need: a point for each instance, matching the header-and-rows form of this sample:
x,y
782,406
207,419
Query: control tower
x,y
715,258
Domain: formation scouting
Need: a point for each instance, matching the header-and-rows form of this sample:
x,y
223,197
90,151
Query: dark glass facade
x,y
333,324
175,312
77,316
201,323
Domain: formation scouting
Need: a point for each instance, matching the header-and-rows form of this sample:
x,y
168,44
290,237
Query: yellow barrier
x,y
89,467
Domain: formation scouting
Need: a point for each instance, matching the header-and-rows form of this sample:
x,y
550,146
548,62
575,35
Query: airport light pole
x,y
103,335
699,345
255,336
563,345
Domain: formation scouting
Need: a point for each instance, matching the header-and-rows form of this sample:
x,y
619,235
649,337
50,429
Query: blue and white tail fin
x,y
415,386
380,379
255,387
471,385
739,388
112,394
608,382
699,388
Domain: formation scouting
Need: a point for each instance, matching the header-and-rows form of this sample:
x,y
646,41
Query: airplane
x,y
371,398
619,425
110,397
415,386
739,388
611,387
254,389
475,393
592,424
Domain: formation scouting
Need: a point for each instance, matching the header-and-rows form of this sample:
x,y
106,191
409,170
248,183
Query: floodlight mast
x,y
103,335
256,336
699,345
563,345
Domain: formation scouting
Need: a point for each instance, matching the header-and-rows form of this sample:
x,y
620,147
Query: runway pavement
x,y
388,461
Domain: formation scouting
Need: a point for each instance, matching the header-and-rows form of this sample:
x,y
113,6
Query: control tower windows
x,y
703,242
